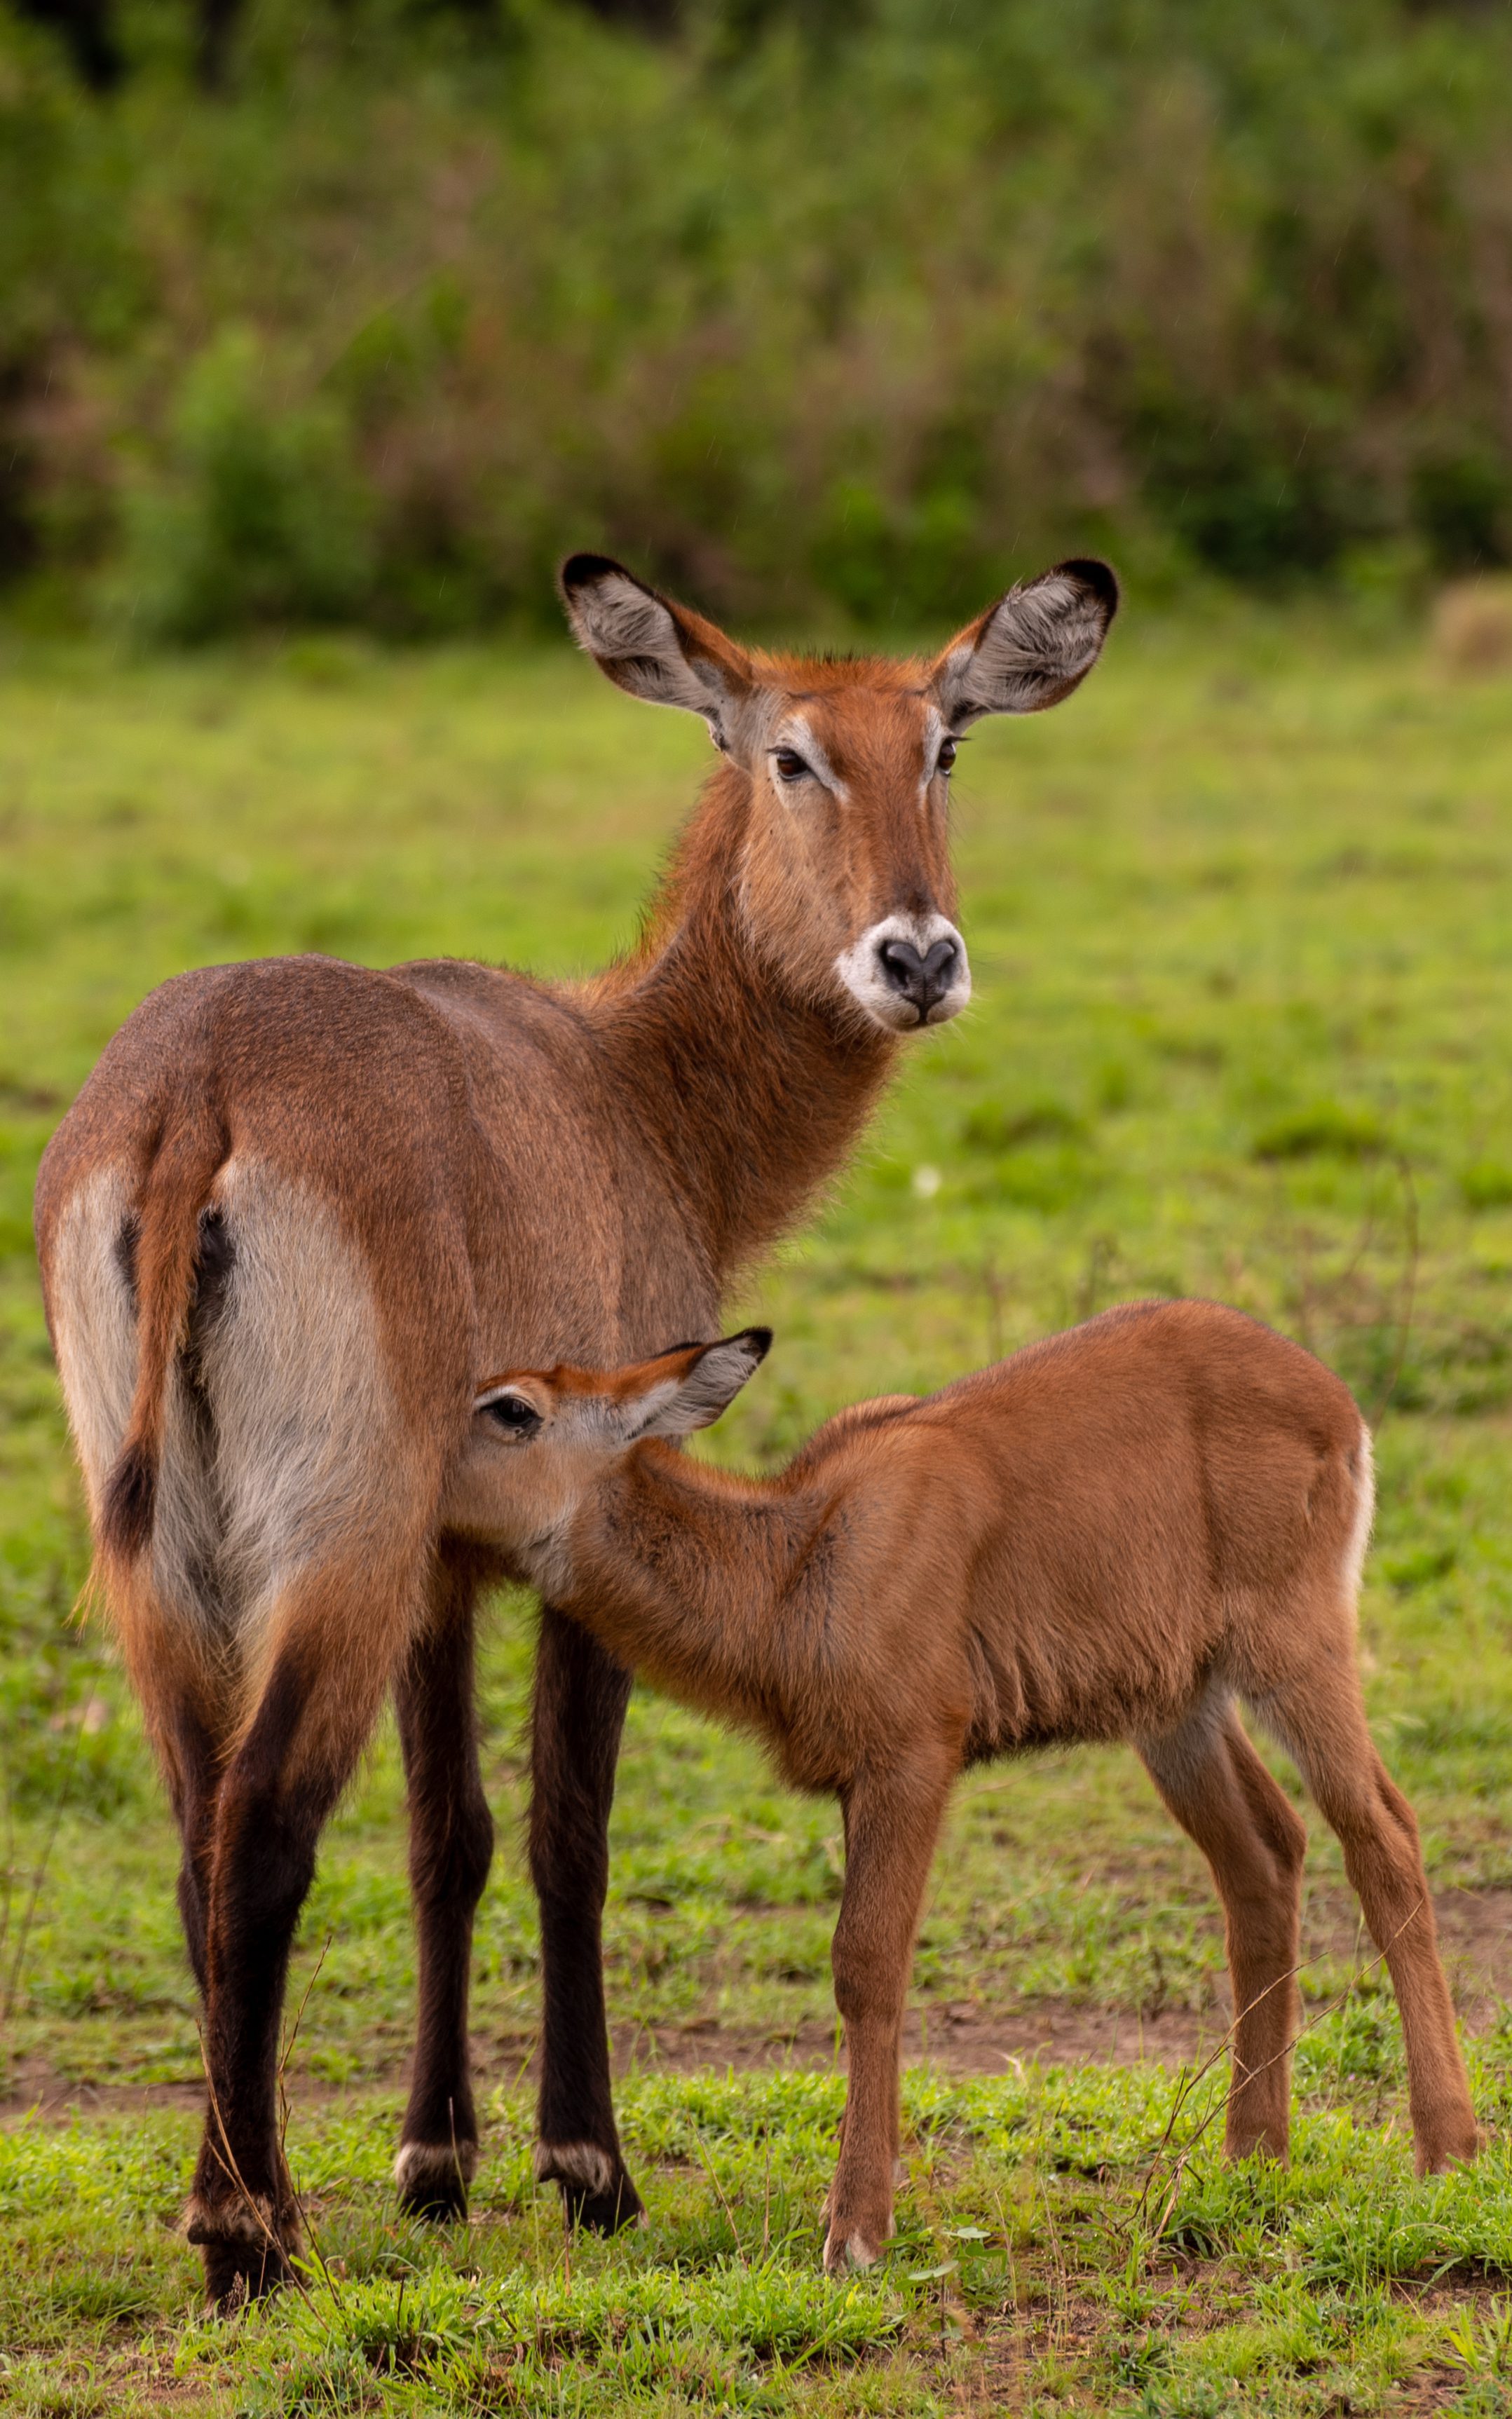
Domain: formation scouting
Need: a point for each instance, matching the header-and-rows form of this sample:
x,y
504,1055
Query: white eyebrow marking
x,y
795,733
934,738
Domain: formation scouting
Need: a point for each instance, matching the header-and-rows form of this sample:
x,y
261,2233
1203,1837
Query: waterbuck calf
x,y
1111,1535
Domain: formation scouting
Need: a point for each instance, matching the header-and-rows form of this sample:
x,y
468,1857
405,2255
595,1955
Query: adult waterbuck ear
x,y
652,647
1031,648
691,1386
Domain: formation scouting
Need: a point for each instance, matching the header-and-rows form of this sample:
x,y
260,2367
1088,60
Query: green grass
x,y
1239,921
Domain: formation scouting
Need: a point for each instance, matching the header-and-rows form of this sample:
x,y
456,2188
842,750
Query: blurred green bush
x,y
806,305
260,513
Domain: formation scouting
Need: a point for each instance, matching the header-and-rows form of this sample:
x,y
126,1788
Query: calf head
x,y
541,1438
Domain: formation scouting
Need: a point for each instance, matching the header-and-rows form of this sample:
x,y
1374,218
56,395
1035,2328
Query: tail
x,y
1361,1466
168,1228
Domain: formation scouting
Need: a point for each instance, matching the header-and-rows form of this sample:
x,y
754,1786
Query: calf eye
x,y
945,758
790,765
514,1415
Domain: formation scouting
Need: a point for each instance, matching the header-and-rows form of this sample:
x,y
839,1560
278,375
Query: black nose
x,y
921,979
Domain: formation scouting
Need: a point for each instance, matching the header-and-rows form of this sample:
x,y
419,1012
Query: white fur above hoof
x,y
583,2165
853,2251
424,2170
252,2220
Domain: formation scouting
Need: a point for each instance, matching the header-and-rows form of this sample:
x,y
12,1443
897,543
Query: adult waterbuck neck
x,y
300,1207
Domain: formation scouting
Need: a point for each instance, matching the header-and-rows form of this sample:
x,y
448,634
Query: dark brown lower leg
x,y
580,1697
1223,1798
217,24
187,1696
451,1846
242,2213
312,1720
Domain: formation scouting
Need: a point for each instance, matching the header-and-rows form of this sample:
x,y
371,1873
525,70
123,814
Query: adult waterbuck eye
x,y
789,764
518,1419
945,758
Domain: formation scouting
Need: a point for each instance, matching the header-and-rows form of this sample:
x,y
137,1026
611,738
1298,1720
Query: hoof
x,y
1461,2150
433,2179
853,2250
597,2192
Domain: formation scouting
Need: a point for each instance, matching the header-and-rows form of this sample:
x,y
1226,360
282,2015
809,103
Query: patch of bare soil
x,y
1475,1933
1475,1938
957,2040
37,2090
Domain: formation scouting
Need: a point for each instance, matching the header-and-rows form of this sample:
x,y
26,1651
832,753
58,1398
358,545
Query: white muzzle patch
x,y
907,971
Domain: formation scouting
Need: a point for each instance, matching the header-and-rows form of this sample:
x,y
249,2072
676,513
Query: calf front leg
x,y
580,1697
451,1846
891,1825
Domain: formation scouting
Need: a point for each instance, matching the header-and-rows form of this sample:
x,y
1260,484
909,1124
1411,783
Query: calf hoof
x,y
433,2179
1453,2146
597,2192
246,2250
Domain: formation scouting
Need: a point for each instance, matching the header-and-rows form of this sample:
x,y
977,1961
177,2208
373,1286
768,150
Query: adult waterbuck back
x,y
300,1207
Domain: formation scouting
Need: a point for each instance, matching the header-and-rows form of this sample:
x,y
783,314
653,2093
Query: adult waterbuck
x,y
300,1207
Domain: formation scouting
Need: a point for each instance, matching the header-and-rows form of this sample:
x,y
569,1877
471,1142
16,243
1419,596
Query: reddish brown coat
x,y
1115,1535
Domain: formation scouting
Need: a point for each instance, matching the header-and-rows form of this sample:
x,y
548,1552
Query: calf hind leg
x,y
1215,1785
1319,1719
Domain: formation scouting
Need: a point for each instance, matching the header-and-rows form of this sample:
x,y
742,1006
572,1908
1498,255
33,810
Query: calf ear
x,y
1031,648
707,1385
652,647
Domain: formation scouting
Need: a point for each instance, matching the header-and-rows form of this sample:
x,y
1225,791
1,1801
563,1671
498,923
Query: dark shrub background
x,y
844,311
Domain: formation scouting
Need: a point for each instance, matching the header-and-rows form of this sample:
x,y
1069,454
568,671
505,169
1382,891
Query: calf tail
x,y
1362,1467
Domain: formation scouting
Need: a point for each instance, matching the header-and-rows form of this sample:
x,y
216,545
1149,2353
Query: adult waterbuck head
x,y
844,770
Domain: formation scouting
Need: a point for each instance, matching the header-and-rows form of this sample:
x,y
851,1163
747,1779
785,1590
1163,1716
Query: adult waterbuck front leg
x,y
580,1697
451,1848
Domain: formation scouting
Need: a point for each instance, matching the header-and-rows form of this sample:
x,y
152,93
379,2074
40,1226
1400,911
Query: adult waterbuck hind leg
x,y
279,1786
